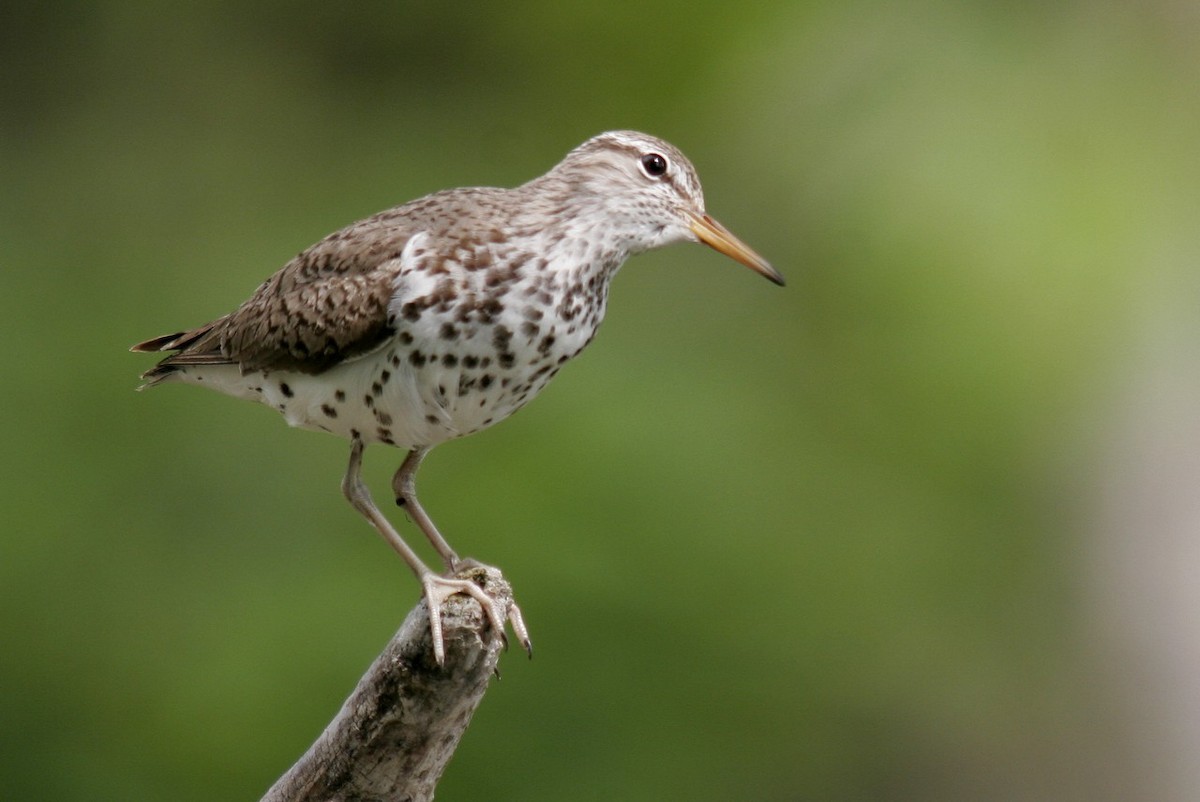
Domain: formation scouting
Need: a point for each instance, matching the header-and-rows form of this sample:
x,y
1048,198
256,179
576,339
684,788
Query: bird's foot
x,y
486,573
439,588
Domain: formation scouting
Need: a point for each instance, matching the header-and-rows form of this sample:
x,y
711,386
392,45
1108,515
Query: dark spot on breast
x,y
431,419
417,359
530,329
449,331
405,338
285,389
485,381
329,411
383,418
444,296
506,360
478,259
533,313
489,310
340,395
501,337
449,360
470,361
546,344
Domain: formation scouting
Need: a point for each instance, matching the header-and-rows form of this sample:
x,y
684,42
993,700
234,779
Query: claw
x,y
519,628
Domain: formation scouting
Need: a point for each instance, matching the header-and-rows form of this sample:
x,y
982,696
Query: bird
x,y
441,317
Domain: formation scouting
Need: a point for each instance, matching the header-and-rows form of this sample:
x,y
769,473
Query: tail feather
x,y
163,343
192,348
179,341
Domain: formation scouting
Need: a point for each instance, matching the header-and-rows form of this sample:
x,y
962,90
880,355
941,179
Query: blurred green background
x,y
865,537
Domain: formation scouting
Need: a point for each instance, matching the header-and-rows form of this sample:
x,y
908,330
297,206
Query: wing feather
x,y
327,305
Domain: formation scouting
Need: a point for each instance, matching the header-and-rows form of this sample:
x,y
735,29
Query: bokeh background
x,y
924,525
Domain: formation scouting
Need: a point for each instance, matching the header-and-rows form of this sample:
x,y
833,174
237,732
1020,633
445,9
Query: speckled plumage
x,y
443,316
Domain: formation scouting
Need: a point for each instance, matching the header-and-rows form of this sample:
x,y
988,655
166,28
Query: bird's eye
x,y
654,164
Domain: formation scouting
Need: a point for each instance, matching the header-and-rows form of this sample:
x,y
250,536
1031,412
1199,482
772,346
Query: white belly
x,y
410,393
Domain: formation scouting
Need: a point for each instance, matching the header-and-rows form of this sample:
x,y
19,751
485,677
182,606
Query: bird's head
x,y
649,190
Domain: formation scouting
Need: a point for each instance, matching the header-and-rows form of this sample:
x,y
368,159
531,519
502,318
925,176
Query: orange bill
x,y
719,238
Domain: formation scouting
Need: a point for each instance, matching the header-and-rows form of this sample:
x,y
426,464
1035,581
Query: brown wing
x,y
327,305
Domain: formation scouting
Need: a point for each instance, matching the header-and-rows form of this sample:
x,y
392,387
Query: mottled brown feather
x,y
326,305
330,303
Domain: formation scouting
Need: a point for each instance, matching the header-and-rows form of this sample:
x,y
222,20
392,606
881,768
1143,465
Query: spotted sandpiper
x,y
441,317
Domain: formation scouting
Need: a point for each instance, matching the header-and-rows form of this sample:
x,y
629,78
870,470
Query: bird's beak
x,y
719,238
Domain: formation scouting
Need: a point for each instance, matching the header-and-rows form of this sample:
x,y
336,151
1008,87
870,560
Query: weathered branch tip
x,y
399,728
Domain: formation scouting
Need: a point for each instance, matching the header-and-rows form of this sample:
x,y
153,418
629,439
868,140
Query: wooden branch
x,y
395,734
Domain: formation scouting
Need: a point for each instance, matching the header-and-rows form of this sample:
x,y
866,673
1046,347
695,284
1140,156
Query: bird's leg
x,y
436,588
404,485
